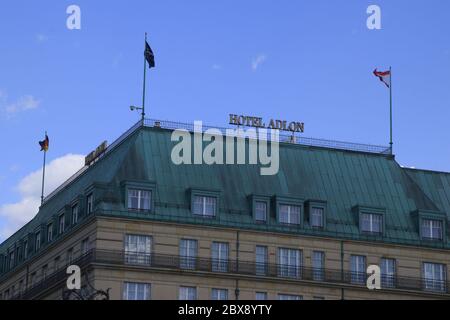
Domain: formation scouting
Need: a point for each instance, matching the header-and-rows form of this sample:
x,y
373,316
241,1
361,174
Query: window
x,y
261,211
50,232
431,229
32,278
261,260
25,249
44,272
188,253
434,275
89,203
136,291
371,223
219,256
75,214
85,246
11,260
70,256
387,273
7,294
205,206
57,263
137,249
318,261
38,241
139,199
289,214
20,289
61,224
317,217
219,294
261,296
289,262
289,297
187,293
358,269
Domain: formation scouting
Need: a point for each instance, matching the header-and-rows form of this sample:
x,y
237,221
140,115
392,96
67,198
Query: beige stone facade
x,y
104,243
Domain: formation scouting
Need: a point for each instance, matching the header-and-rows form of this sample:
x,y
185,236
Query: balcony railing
x,y
232,267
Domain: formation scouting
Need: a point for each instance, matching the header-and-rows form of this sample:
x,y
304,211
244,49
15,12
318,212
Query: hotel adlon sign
x,y
257,122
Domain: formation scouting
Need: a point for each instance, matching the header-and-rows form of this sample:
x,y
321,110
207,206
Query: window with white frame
x,y
49,232
261,211
261,295
61,223
219,251
75,214
289,262
11,259
387,267
219,294
432,229
317,217
69,255
188,253
187,293
138,249
204,206
57,263
372,223
289,214
139,199
318,261
358,269
85,246
289,297
89,203
435,277
136,291
261,260
38,241
25,249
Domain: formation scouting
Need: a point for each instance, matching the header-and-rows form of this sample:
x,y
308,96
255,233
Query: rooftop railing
x,y
294,138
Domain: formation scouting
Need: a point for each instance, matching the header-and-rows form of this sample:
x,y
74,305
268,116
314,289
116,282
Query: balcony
x,y
231,268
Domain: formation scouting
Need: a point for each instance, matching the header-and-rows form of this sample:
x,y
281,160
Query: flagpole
x,y
390,110
43,174
145,76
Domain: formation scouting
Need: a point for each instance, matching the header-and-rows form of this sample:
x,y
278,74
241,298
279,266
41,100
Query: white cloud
x,y
24,103
15,215
258,61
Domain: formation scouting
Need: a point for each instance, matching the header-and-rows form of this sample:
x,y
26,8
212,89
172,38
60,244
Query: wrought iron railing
x,y
295,138
235,268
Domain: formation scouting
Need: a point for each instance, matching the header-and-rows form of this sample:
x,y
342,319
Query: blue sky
x,y
316,61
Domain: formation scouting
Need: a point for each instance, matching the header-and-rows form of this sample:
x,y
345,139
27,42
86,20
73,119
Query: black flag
x,y
149,55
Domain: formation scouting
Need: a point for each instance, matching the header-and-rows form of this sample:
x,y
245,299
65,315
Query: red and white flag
x,y
384,76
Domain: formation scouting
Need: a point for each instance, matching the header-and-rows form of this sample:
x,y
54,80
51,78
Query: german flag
x,y
44,144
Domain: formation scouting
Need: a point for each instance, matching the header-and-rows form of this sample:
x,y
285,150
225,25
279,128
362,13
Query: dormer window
x,y
432,229
261,211
38,241
371,223
204,206
139,199
74,214
289,214
317,217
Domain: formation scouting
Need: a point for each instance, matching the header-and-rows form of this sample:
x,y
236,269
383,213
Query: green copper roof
x,y
343,179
